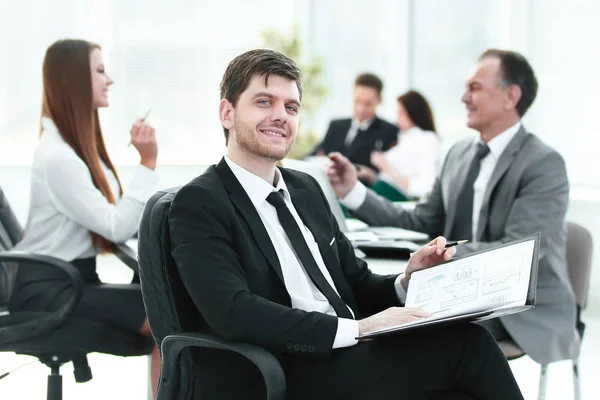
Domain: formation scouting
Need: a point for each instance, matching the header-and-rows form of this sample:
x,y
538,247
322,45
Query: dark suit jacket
x,y
381,134
229,266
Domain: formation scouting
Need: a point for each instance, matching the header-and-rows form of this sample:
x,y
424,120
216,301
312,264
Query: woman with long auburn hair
x,y
78,207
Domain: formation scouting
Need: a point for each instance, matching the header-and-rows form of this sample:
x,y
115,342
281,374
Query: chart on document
x,y
494,278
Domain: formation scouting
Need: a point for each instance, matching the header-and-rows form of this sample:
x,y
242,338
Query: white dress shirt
x,y
303,292
416,156
66,206
354,127
497,145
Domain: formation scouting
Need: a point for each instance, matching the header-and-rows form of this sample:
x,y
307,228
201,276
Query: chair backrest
x,y
169,307
580,247
10,233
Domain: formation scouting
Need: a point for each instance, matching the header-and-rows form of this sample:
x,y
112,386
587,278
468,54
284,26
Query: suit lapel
x,y
459,178
301,204
504,162
242,202
363,138
344,129
311,220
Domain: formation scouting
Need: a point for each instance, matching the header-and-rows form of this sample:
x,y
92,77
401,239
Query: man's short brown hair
x,y
370,80
261,62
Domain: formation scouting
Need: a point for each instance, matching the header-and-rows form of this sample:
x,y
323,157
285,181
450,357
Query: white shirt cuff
x,y
356,197
143,185
400,292
347,332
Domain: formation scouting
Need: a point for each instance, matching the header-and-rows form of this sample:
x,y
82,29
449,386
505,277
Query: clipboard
x,y
478,315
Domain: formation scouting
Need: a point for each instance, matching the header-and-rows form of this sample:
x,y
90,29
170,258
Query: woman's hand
x,y
379,161
144,140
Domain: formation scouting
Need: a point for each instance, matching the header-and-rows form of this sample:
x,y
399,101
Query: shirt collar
x,y
412,131
363,126
256,187
499,142
49,129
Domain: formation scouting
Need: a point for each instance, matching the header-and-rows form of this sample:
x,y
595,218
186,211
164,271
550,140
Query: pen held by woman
x,y
142,120
144,140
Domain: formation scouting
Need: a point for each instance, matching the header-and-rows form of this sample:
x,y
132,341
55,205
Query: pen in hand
x,y
143,119
452,244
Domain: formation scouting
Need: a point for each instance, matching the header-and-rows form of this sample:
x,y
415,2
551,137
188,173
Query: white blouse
x,y
66,206
417,157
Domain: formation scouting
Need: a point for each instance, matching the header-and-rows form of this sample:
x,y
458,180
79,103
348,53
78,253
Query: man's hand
x,y
366,175
434,253
391,317
342,174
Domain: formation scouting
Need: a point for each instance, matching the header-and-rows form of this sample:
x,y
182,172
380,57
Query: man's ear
x,y
513,95
226,111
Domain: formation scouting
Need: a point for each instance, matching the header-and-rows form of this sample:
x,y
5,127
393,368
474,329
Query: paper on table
x,y
362,236
484,281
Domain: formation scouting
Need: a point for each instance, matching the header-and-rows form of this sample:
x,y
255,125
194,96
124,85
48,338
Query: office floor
x,y
127,378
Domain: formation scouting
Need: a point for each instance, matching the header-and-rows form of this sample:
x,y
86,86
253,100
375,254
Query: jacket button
x,y
311,348
289,345
303,348
296,347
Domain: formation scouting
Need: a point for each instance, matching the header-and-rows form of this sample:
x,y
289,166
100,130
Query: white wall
x,y
558,38
171,58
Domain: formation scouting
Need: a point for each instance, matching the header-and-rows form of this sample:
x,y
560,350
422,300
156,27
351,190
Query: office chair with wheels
x,y
56,337
579,263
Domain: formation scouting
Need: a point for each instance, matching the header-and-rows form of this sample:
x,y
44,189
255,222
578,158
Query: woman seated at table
x,y
78,207
408,170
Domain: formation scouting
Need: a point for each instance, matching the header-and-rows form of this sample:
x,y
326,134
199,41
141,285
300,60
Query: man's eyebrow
x,y
263,94
270,96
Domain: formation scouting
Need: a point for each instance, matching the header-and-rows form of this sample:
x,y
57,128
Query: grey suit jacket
x,y
527,193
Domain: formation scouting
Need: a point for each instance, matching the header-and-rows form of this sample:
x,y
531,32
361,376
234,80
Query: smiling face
x,y
488,102
264,121
100,81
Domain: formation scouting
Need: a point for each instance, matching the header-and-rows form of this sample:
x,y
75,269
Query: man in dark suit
x,y
503,185
265,262
357,137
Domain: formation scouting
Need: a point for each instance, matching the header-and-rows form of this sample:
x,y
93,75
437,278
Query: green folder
x,y
388,191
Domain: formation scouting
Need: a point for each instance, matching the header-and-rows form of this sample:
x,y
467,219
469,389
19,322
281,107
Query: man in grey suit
x,y
505,185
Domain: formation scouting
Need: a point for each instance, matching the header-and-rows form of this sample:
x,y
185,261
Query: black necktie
x,y
463,220
310,265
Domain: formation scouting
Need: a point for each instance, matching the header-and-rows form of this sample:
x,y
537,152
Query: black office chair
x,y
171,312
58,337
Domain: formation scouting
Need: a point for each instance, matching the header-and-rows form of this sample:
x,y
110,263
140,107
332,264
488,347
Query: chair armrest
x,y
173,345
49,322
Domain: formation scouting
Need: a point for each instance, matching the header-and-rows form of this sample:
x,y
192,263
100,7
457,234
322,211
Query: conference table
x,y
127,253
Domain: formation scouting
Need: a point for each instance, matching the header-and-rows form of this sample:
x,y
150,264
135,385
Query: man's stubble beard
x,y
244,138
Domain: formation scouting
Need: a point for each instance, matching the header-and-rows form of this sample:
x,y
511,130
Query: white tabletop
x,y
379,266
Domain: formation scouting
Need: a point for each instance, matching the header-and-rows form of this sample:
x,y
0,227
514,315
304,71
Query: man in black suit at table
x,y
365,132
264,260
